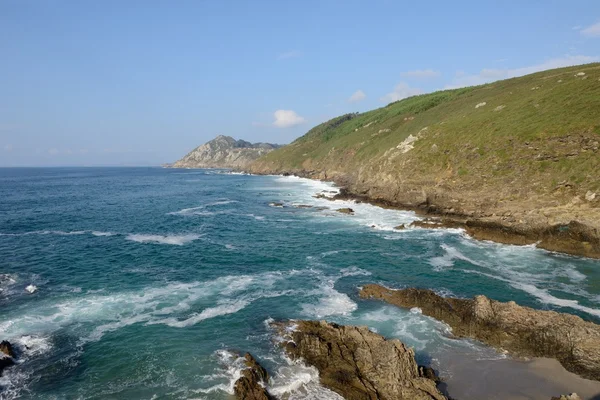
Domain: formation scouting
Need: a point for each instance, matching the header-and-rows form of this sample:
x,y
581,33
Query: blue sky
x,y
143,82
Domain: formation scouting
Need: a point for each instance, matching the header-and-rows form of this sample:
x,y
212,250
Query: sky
x,y
142,82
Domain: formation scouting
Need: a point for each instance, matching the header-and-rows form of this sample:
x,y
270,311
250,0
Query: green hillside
x,y
519,114
525,149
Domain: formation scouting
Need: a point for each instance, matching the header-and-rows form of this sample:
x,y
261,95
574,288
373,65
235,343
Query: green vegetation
x,y
543,128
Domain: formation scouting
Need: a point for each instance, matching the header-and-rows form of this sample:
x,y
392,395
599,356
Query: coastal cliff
x,y
516,161
224,152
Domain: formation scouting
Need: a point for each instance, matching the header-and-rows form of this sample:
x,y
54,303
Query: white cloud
x,y
592,30
8,147
401,91
53,151
287,118
357,96
289,54
487,75
422,74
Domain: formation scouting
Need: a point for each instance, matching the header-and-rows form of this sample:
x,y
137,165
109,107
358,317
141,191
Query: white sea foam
x,y
447,260
330,302
99,233
202,209
294,380
544,296
31,289
229,371
94,315
541,294
178,240
227,307
46,232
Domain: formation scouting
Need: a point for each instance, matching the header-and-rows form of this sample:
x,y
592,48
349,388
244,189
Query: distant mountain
x,y
224,152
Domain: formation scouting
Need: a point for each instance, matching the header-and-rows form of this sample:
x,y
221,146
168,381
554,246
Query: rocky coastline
x,y
522,226
521,331
356,363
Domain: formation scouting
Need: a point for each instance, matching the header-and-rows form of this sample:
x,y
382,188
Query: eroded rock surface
x,y
522,331
357,363
252,384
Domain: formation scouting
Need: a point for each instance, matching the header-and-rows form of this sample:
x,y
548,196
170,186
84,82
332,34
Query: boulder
x,y
522,331
252,384
345,211
7,355
357,363
400,227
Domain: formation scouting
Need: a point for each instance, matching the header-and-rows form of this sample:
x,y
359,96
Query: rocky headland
x,y
224,152
511,161
522,331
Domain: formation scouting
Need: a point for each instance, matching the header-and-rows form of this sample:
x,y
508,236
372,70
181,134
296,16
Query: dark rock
x,y
345,211
7,355
7,348
400,227
280,205
252,384
357,363
522,331
429,373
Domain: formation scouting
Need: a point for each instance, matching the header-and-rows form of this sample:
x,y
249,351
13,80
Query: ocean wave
x,y
201,210
92,316
295,380
542,295
59,233
178,240
447,260
330,302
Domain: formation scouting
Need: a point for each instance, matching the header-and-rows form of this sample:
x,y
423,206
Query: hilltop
x,y
224,152
516,161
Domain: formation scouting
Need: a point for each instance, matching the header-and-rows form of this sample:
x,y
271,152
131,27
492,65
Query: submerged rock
x,y
357,363
522,331
252,384
345,210
7,355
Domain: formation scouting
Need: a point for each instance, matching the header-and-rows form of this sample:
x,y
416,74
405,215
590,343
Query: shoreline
x,y
573,238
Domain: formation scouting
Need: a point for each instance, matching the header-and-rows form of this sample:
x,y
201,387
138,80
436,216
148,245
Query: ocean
x,y
143,283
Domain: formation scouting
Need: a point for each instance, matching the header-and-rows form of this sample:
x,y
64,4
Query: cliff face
x,y
224,152
522,154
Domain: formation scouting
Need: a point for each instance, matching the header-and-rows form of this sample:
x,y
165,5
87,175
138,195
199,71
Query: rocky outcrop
x,y
522,331
357,363
572,396
7,355
224,152
345,211
252,384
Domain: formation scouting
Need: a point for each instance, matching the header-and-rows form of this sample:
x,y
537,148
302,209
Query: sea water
x,y
149,282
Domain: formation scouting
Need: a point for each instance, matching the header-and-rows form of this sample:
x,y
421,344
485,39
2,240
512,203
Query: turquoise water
x,y
145,279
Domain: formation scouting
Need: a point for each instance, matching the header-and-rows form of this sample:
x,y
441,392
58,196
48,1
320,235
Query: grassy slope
x,y
542,141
